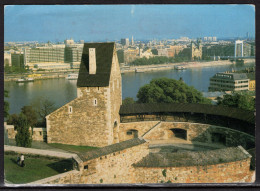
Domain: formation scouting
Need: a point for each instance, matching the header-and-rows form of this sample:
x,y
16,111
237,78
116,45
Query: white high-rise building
x,y
214,38
239,52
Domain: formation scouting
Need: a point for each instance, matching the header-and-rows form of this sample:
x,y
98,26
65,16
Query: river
x,y
61,91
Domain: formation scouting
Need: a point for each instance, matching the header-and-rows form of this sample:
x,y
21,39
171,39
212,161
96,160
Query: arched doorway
x,y
218,138
132,133
179,133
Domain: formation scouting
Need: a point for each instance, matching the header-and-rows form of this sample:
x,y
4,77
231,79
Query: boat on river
x,y
23,80
179,68
72,77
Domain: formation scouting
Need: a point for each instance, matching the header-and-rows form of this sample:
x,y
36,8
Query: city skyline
x,y
113,22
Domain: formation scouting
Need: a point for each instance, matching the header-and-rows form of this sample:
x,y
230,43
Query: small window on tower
x,y
95,102
70,109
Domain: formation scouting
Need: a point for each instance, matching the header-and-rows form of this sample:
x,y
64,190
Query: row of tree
x,y
164,90
15,69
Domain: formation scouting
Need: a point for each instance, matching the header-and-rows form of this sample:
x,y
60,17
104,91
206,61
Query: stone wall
x,y
237,171
201,133
85,124
141,127
10,131
114,168
37,135
71,177
115,97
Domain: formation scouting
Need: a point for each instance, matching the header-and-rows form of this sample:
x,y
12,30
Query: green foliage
x,y
155,51
152,61
43,107
164,172
168,182
14,69
101,180
128,100
23,136
242,101
30,114
164,90
6,104
12,119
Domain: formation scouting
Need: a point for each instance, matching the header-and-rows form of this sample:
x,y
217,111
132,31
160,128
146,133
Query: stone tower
x,y
93,117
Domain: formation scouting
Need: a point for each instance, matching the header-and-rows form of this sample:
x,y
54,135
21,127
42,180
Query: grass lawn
x,y
35,168
72,148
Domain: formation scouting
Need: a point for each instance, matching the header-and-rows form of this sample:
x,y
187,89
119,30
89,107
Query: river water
x,y
61,91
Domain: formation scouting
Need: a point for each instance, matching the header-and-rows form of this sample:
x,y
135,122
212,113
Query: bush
x,y
23,136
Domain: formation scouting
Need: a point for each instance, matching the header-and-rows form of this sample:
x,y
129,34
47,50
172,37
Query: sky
x,y
56,23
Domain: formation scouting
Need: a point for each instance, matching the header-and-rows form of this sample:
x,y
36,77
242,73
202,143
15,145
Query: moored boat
x,y
23,79
179,68
72,77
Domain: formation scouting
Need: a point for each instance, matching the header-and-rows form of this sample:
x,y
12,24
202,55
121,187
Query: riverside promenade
x,y
169,66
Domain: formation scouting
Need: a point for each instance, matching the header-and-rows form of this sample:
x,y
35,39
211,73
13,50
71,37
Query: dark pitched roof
x,y
147,108
104,55
190,158
111,149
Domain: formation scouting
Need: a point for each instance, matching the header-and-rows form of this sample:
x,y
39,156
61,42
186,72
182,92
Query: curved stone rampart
x,y
196,132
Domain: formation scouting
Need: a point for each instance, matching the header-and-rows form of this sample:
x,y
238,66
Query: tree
x,y
30,114
242,101
128,100
164,90
155,51
6,104
23,137
43,107
12,119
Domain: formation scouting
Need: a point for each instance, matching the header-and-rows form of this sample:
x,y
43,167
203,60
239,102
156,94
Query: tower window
x,y
95,102
70,109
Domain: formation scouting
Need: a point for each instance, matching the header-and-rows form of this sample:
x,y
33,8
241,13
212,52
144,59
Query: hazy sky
x,y
113,22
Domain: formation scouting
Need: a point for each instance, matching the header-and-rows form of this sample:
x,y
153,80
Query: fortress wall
x,y
86,125
231,172
37,135
141,127
114,168
195,132
71,177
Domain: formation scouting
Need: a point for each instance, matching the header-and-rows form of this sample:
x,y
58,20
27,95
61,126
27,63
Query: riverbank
x,y
137,69
44,75
170,66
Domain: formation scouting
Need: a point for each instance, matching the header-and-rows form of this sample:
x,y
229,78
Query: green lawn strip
x,y
35,168
72,148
